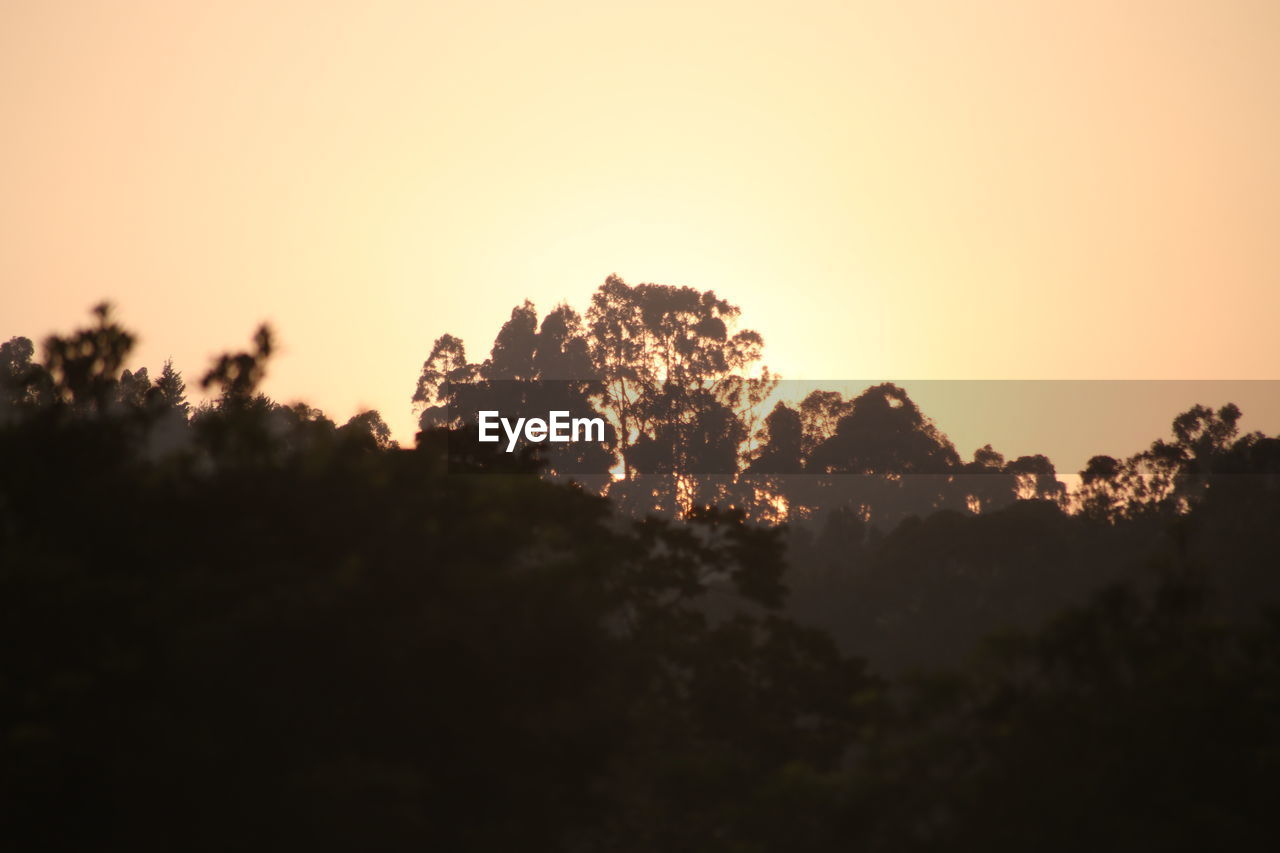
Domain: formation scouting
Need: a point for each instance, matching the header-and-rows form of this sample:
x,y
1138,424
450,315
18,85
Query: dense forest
x,y
237,625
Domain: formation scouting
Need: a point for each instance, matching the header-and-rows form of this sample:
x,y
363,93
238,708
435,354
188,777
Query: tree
x,y
985,482
1168,477
364,650
446,364
675,384
530,372
238,375
238,429
170,391
662,364
1037,479
370,429
132,388
886,459
781,450
85,366
23,383
884,432
820,412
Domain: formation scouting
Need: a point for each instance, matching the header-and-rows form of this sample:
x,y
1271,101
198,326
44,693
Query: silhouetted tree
x,y
884,432
84,367
23,383
676,385
237,375
369,427
529,373
282,634
781,449
1169,476
170,391
308,639
886,458
820,412
132,388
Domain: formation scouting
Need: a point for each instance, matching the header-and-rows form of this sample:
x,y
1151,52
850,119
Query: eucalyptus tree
x,y
676,381
531,368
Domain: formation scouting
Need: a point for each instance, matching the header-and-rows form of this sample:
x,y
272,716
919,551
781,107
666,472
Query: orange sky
x,y
897,189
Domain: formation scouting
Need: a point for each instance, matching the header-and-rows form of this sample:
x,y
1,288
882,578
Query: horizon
x,y
1068,420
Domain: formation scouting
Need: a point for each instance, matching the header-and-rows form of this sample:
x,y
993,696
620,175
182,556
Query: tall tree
x,y
170,391
531,371
446,364
675,376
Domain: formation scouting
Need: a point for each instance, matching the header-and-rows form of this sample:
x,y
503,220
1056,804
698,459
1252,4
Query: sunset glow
x,y
898,190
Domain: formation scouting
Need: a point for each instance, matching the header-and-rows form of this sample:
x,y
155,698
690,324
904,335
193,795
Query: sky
x,y
899,190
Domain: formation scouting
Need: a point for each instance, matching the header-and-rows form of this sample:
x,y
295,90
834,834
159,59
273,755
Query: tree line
x,y
238,625
682,386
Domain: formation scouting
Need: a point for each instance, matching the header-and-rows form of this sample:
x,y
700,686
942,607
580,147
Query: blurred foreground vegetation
x,y
240,626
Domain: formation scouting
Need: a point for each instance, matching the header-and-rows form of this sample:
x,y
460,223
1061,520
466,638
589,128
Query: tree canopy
x,y
234,624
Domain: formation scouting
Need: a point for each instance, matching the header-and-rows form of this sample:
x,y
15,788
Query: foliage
x,y
285,634
244,627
